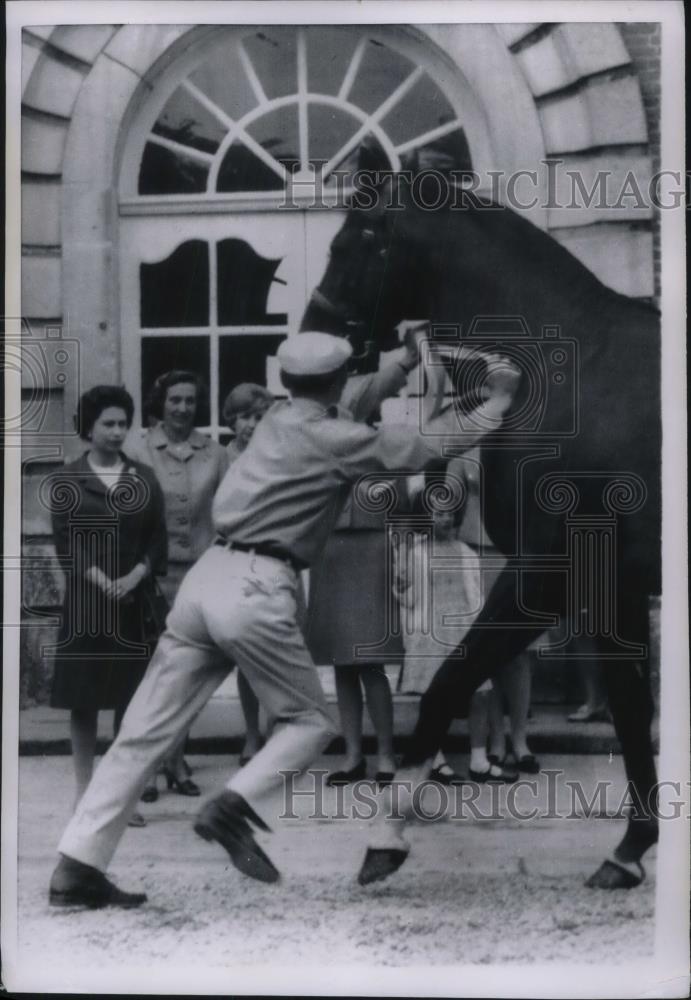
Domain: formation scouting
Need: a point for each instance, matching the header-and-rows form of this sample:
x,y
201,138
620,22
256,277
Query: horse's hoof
x,y
379,863
611,875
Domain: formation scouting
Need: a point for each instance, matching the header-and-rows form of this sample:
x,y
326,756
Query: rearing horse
x,y
580,445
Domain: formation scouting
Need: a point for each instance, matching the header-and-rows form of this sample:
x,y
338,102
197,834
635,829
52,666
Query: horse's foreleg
x,y
487,647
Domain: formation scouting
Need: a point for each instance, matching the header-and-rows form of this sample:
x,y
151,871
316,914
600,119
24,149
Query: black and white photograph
x,y
345,541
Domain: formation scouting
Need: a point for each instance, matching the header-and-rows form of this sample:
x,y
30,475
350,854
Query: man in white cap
x,y
273,512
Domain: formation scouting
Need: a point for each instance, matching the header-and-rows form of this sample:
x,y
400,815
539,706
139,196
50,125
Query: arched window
x,y
241,142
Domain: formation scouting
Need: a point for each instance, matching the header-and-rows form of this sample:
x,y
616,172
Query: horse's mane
x,y
525,245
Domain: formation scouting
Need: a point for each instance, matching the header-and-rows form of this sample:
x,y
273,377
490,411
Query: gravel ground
x,y
472,892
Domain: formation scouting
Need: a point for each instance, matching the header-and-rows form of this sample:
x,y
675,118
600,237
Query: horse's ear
x,y
373,169
371,157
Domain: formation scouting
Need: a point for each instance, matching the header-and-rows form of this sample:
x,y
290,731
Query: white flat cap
x,y
313,353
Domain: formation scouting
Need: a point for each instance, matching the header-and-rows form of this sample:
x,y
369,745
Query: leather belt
x,y
260,549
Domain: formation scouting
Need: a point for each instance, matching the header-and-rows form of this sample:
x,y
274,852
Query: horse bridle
x,y
339,312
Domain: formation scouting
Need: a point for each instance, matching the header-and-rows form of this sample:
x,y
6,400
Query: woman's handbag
x,y
154,611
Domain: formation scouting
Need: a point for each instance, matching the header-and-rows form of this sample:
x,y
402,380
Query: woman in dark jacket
x,y
110,536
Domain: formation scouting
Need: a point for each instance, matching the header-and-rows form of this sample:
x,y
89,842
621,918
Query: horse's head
x,y
362,294
389,263
375,276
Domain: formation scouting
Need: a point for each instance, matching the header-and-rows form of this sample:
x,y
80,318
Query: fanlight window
x,y
282,102
214,272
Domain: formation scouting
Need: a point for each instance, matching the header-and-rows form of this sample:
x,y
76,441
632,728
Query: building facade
x,y
181,186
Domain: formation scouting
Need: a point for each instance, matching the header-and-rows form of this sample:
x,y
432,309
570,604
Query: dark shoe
x,y
150,793
444,775
77,884
528,763
184,786
383,778
495,775
379,863
226,819
356,773
493,758
136,819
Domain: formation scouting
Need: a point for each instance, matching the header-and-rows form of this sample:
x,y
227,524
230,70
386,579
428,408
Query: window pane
x,y
164,172
186,121
241,170
277,132
163,354
222,77
422,109
244,283
273,54
243,359
329,129
381,71
329,51
175,291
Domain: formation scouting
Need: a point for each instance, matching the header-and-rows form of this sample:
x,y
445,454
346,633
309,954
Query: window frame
x,y
450,84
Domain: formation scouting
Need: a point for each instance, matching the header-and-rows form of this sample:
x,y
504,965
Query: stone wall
x,y
644,43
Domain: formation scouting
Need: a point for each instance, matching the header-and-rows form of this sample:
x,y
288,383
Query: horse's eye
x,y
368,234
383,252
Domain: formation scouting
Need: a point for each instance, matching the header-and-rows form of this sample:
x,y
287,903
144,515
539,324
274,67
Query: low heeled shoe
x,y
74,884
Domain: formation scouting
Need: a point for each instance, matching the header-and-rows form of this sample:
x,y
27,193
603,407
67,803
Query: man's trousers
x,y
231,607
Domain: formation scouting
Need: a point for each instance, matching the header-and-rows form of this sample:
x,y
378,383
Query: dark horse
x,y
572,481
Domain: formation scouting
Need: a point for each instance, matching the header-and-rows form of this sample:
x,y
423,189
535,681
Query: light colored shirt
x,y
290,484
189,473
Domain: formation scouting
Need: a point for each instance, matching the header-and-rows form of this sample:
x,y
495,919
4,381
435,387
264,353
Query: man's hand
x,y
413,333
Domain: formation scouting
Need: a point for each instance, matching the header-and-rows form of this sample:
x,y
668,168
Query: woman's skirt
x,y
351,614
99,657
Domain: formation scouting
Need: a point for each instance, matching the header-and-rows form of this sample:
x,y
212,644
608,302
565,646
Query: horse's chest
x,y
514,518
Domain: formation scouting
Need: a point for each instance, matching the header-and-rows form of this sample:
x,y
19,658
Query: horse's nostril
x,y
383,252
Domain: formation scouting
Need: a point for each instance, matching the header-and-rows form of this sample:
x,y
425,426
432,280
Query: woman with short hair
x,y
110,537
189,467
